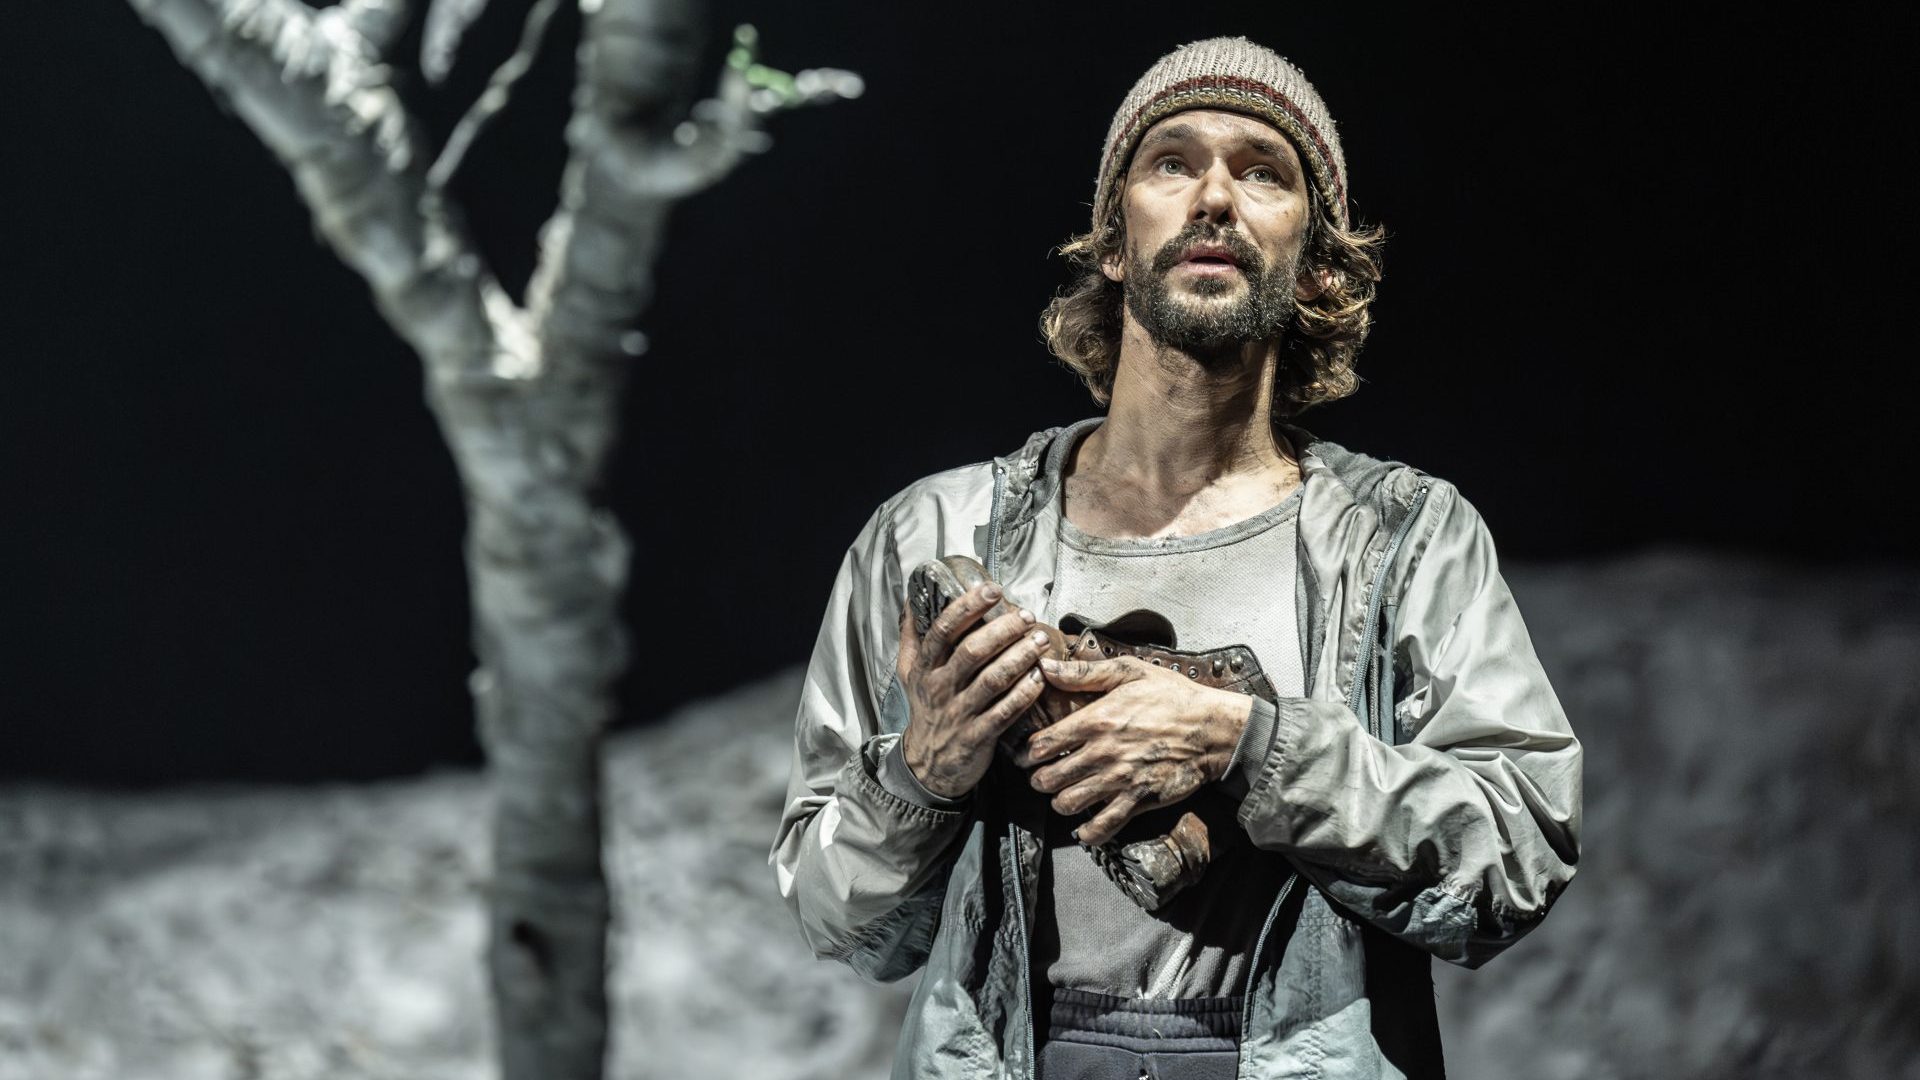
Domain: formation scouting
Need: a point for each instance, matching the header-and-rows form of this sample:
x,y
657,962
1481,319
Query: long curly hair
x,y
1317,350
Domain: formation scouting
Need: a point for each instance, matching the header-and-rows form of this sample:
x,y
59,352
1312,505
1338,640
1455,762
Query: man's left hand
x,y
1151,739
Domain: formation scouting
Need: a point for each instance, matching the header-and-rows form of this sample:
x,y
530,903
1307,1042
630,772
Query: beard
x,y
1204,328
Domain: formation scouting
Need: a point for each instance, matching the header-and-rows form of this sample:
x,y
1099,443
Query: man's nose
x,y
1213,201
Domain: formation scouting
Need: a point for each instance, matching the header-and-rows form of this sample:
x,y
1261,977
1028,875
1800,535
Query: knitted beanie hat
x,y
1239,76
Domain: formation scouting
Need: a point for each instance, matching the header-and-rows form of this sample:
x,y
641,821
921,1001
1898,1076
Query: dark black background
x,y
1647,286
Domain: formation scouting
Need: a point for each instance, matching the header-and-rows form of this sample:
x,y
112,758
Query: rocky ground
x,y
1745,907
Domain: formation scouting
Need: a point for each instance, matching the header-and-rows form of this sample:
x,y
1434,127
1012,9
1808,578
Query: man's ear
x,y
1312,285
1114,266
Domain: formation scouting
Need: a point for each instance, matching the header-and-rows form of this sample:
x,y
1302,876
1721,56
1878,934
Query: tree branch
x,y
310,86
380,23
632,157
447,23
495,97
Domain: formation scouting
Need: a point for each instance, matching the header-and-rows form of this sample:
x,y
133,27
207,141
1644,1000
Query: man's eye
x,y
1170,165
1263,175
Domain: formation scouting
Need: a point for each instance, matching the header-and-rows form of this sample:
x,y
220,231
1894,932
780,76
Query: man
x,y
1411,789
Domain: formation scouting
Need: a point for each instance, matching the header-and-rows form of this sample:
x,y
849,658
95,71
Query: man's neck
x,y
1188,444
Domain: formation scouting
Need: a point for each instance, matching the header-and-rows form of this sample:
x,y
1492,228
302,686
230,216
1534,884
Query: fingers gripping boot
x,y
1150,872
937,583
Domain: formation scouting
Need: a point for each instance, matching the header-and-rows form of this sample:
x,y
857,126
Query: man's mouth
x,y
1209,259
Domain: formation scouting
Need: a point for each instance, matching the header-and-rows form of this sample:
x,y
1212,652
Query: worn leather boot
x,y
1150,872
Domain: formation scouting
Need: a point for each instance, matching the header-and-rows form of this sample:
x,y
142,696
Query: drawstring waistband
x,y
1143,1024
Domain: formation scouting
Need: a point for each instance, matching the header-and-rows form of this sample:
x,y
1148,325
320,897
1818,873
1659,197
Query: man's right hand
x,y
966,682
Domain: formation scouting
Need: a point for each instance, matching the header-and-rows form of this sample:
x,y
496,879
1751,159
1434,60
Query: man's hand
x,y
1152,739
965,684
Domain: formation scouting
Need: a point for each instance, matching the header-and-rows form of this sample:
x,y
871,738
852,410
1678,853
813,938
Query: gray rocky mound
x,y
1745,907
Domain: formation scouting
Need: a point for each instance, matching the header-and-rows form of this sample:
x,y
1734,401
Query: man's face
x,y
1215,206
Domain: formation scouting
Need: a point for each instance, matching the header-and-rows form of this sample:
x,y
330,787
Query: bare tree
x,y
525,393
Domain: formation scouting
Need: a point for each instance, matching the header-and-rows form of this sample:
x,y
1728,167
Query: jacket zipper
x,y
1259,946
1026,953
993,521
1013,835
1355,698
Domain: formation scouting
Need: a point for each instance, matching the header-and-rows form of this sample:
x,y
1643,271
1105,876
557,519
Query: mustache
x,y
1244,253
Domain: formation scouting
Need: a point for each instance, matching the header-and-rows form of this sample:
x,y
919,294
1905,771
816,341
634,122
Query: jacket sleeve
x,y
1459,838
862,868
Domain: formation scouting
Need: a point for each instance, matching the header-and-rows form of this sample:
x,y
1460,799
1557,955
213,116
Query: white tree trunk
x,y
526,397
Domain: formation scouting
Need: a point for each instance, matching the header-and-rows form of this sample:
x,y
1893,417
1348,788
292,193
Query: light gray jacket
x,y
1426,789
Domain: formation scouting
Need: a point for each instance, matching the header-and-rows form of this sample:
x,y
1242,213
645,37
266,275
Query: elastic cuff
x,y
898,779
1250,755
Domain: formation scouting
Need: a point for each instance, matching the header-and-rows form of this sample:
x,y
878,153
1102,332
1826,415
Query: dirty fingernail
x,y
991,592
1025,615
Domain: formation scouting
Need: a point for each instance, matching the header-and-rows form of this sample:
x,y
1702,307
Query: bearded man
x,y
1313,688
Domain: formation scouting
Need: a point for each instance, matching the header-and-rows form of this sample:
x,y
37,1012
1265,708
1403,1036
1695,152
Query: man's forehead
x,y
1197,124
